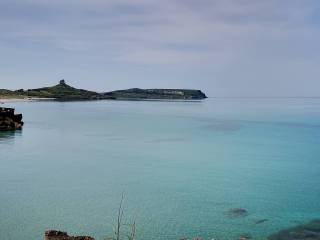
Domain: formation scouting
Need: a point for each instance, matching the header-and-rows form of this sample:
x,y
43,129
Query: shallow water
x,y
181,166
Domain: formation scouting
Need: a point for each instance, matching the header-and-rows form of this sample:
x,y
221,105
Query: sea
x,y
181,168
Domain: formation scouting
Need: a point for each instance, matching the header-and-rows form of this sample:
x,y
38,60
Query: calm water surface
x,y
181,166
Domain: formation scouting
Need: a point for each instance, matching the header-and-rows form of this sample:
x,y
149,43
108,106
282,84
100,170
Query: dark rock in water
x,y
238,212
309,231
10,121
261,221
57,235
245,236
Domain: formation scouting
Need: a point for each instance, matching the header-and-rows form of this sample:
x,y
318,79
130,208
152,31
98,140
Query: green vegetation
x,y
130,233
174,94
9,94
62,91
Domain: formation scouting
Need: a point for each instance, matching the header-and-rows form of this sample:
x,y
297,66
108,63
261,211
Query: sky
x,y
227,48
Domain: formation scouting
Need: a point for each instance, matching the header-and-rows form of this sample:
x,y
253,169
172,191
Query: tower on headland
x,y
62,82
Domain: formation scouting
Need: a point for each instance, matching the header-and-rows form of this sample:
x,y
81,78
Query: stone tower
x,y
62,82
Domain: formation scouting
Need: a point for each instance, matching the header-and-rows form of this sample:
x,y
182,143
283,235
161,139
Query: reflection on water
x,y
9,136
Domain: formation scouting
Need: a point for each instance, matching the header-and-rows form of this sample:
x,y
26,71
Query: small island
x,y
65,92
173,94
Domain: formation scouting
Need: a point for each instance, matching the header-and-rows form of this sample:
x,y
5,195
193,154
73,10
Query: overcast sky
x,y
224,47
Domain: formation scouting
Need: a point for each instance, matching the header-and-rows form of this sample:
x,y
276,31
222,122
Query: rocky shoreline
x,y
58,235
9,121
309,231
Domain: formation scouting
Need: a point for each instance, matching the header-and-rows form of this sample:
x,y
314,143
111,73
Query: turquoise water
x,y
180,165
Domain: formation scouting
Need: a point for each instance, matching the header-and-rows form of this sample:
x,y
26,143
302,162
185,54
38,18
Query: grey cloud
x,y
203,37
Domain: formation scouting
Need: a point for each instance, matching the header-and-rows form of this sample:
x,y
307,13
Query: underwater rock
x,y
237,212
245,236
261,221
10,121
58,235
309,231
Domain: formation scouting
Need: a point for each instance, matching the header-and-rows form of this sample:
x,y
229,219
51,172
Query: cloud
x,y
207,35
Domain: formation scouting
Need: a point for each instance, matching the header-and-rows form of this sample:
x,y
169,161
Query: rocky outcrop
x,y
237,212
10,121
57,235
309,231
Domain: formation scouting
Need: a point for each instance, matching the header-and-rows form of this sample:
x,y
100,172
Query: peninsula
x,y
137,93
61,91
64,92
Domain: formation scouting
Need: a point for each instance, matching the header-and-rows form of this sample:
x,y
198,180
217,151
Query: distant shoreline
x,y
26,99
35,99
64,92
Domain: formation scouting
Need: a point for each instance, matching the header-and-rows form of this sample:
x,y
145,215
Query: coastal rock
x,y
10,121
58,235
237,212
309,231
